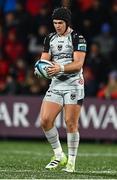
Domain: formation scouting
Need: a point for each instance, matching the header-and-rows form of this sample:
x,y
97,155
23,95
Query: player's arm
x,y
76,65
79,47
46,50
45,56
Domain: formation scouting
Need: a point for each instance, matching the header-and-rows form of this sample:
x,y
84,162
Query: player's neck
x,y
69,30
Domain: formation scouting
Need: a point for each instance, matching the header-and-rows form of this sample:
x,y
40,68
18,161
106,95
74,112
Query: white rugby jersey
x,y
61,49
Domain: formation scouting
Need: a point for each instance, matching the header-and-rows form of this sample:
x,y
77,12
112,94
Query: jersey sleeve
x,y
46,44
79,43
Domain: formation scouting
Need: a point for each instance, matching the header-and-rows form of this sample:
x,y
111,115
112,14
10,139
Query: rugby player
x,y
66,49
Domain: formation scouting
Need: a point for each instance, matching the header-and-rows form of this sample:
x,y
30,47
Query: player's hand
x,y
55,69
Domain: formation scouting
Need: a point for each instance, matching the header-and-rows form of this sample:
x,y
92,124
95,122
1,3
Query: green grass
x,y
26,160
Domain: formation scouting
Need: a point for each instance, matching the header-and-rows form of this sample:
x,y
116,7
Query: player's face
x,y
60,26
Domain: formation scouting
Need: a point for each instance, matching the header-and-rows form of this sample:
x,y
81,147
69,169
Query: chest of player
x,y
61,45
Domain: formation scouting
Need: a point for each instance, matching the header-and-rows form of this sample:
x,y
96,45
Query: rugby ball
x,y
41,68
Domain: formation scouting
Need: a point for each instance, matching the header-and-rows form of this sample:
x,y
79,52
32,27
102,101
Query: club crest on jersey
x,y
60,47
73,96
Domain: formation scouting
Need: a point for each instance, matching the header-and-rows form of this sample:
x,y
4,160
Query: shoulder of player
x,y
51,35
77,36
49,38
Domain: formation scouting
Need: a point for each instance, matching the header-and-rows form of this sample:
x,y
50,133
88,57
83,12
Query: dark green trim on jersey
x,y
79,42
47,42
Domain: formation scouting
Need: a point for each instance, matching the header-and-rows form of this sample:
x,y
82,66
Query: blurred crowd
x,y
23,27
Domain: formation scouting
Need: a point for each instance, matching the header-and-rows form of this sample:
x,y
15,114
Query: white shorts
x,y
65,96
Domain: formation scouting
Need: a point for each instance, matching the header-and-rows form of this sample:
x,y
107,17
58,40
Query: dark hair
x,y
62,13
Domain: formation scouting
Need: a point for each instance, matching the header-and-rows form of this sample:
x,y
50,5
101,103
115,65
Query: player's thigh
x,y
48,114
51,106
72,106
49,110
72,113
